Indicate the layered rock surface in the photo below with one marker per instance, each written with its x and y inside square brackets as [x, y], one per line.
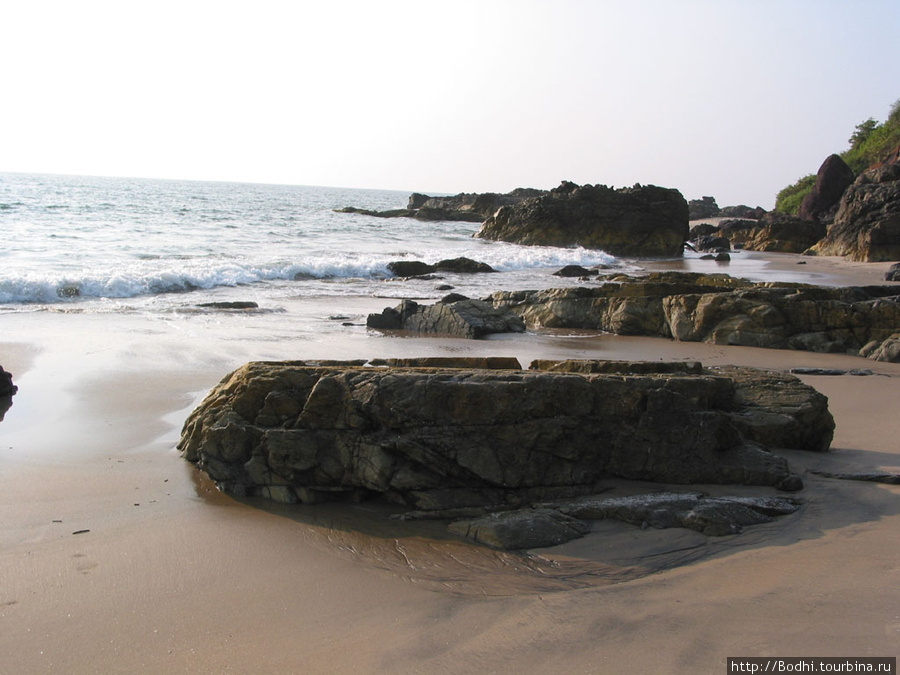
[445, 438]
[718, 309]
[637, 221]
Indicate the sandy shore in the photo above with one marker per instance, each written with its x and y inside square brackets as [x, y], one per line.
[117, 556]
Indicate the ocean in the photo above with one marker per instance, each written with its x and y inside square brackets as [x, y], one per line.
[91, 244]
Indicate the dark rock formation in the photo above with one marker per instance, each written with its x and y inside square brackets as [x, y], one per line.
[7, 388]
[709, 243]
[867, 225]
[893, 274]
[777, 233]
[469, 207]
[417, 268]
[703, 208]
[637, 221]
[237, 304]
[742, 211]
[573, 271]
[439, 439]
[455, 316]
[718, 309]
[480, 204]
[832, 179]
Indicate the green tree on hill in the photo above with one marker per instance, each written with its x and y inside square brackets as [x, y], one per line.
[870, 143]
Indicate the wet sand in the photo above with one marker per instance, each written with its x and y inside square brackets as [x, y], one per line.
[117, 556]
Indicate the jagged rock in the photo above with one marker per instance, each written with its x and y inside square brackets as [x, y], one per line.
[417, 268]
[7, 388]
[711, 243]
[703, 208]
[867, 225]
[702, 230]
[638, 221]
[887, 350]
[776, 232]
[718, 309]
[456, 316]
[481, 205]
[742, 211]
[516, 530]
[469, 207]
[437, 438]
[832, 179]
[893, 273]
[713, 516]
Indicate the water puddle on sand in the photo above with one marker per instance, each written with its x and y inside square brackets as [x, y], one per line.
[426, 555]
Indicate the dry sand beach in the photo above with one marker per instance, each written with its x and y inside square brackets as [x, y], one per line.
[117, 556]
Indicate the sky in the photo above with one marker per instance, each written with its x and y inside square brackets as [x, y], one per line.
[726, 98]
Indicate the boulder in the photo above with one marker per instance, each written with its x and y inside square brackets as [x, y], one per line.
[455, 316]
[778, 233]
[885, 350]
[718, 309]
[574, 271]
[437, 438]
[703, 208]
[643, 221]
[417, 268]
[893, 273]
[742, 211]
[832, 179]
[866, 227]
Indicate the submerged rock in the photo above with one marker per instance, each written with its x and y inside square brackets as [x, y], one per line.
[515, 530]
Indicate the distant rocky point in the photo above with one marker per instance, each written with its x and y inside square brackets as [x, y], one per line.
[470, 207]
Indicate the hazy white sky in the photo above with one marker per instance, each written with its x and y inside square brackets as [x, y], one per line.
[733, 99]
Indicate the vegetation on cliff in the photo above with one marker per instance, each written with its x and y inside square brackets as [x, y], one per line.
[871, 142]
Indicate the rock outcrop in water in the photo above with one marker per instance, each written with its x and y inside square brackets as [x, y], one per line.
[448, 438]
[642, 221]
[470, 207]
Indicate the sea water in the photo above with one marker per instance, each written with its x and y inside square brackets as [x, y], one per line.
[94, 244]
